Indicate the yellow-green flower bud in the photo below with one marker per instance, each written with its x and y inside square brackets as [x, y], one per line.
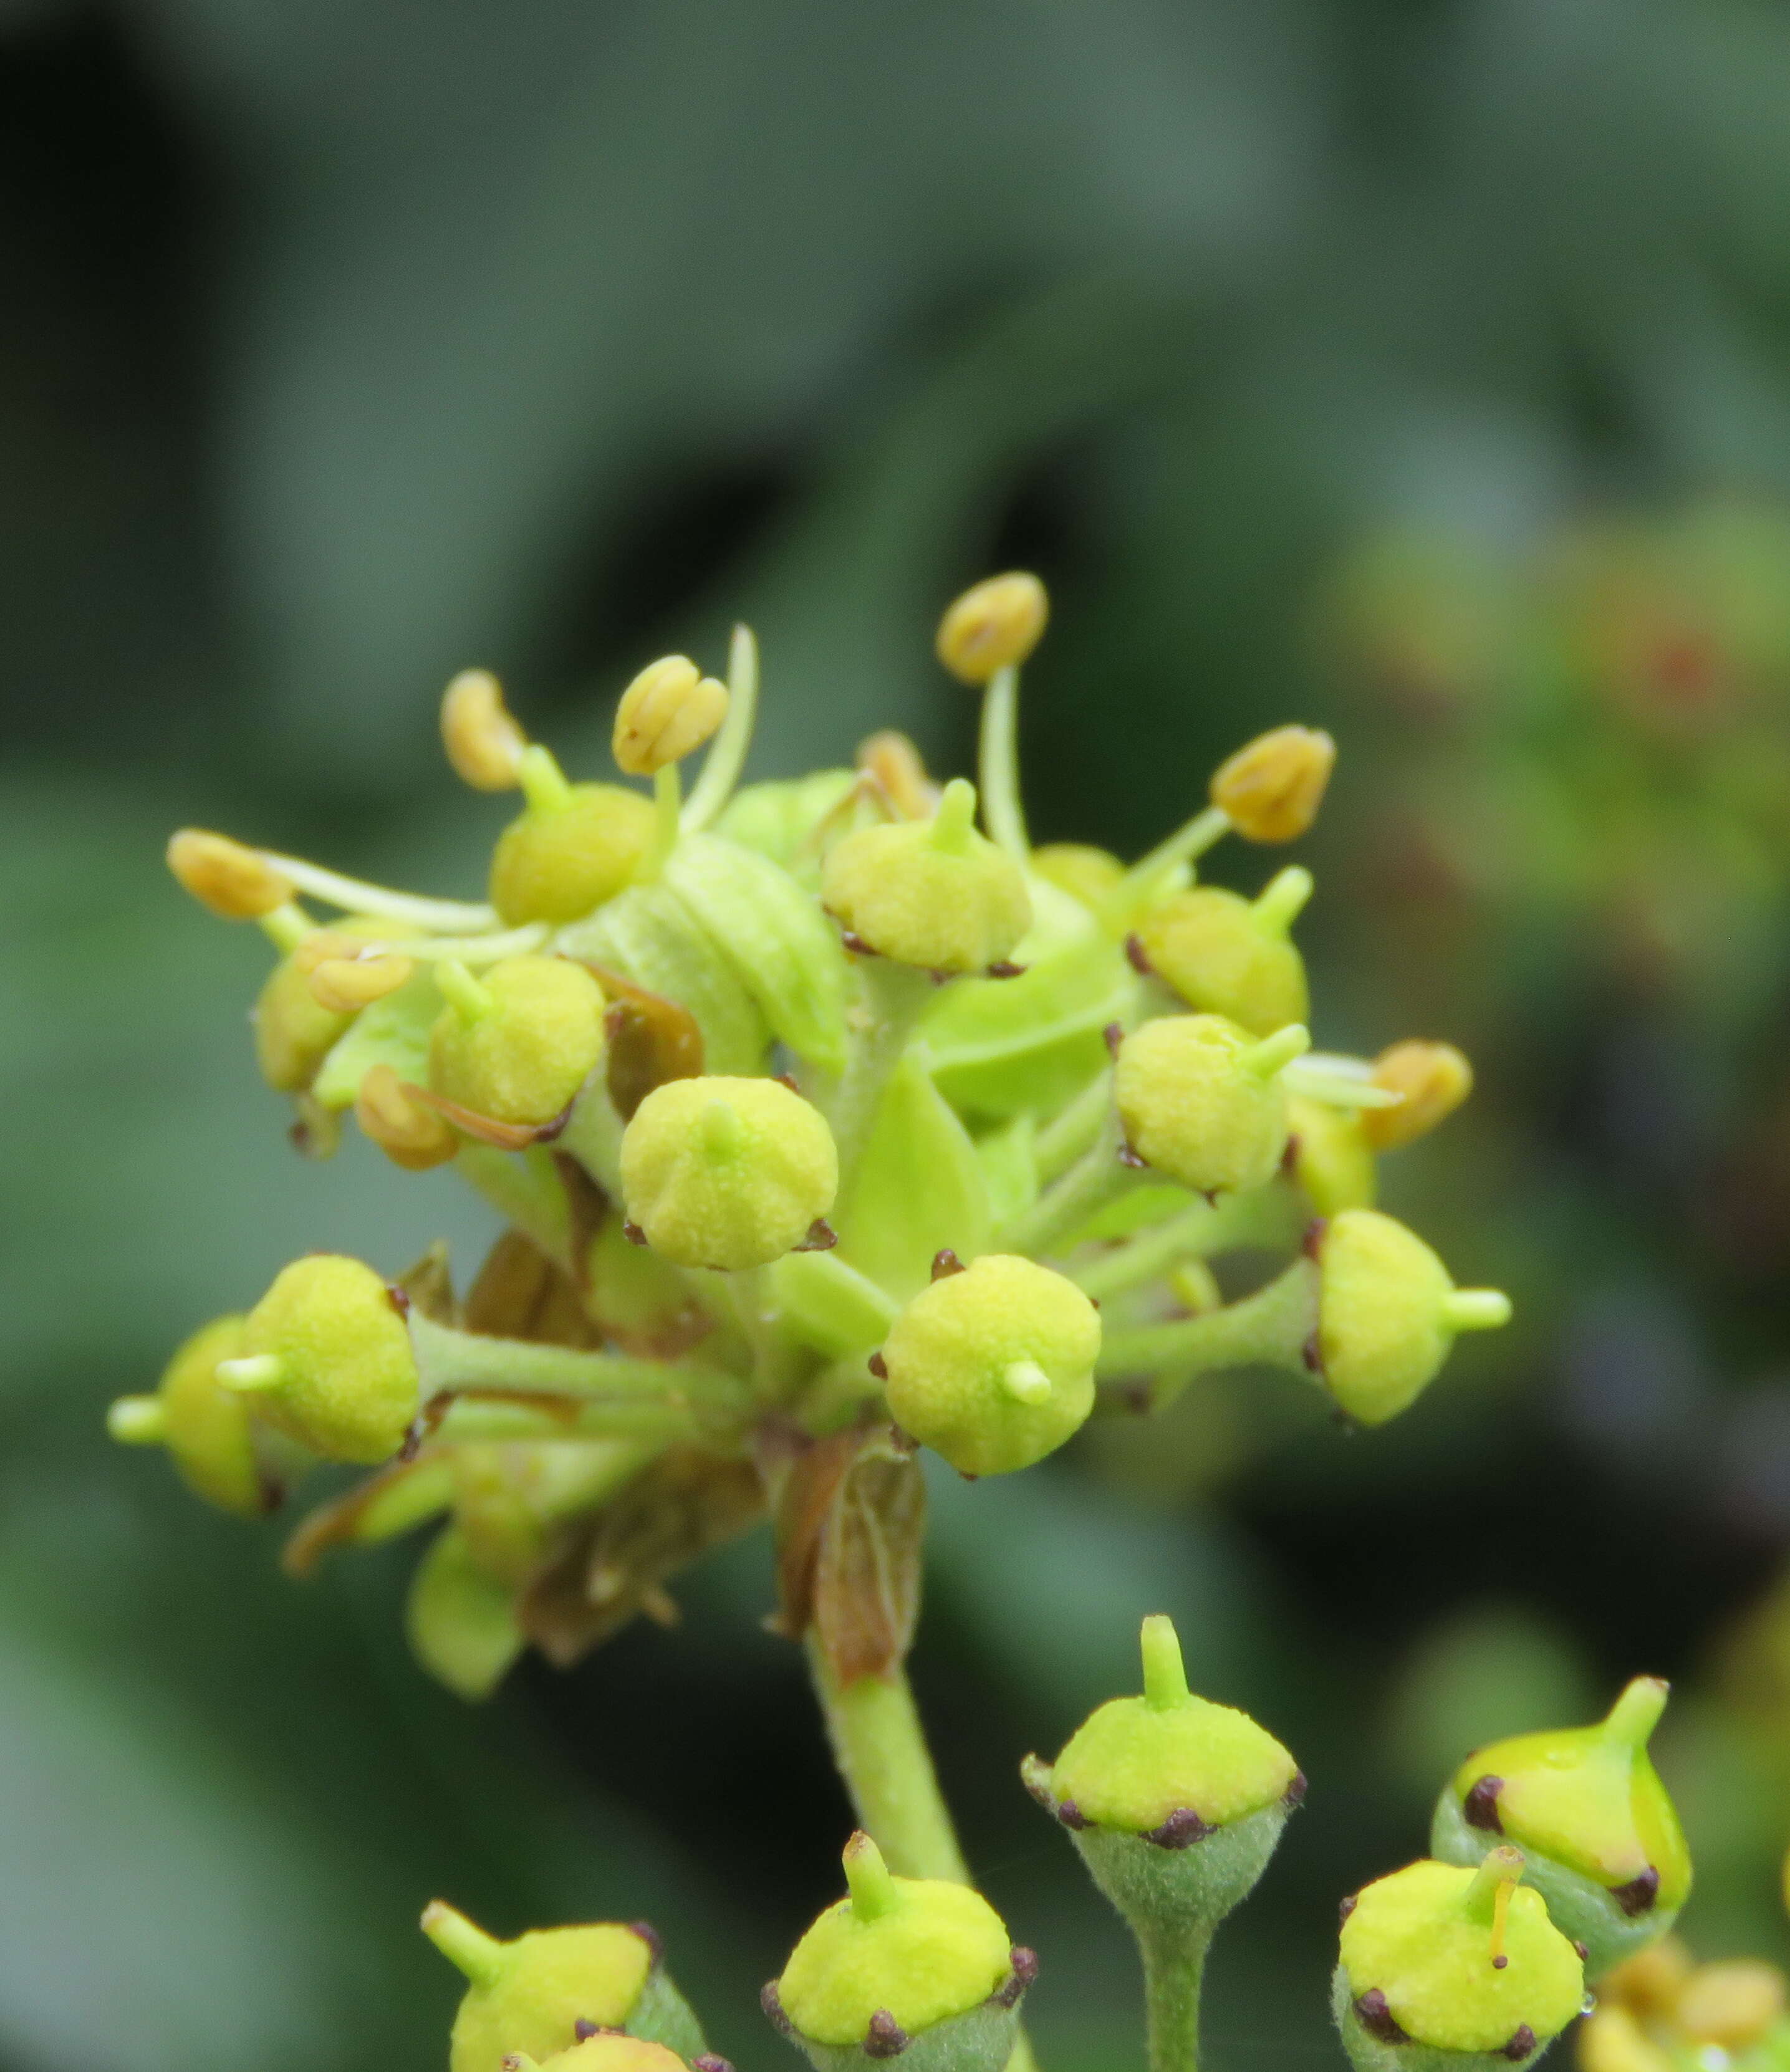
[1587, 1808]
[1175, 1804]
[1137, 1763]
[1332, 1160]
[1447, 1970]
[994, 625]
[326, 1359]
[1090, 876]
[993, 1367]
[1232, 957]
[932, 892]
[909, 1965]
[541, 1994]
[1433, 1079]
[727, 1172]
[574, 847]
[518, 1041]
[666, 713]
[1202, 1100]
[205, 1426]
[1271, 789]
[1388, 1314]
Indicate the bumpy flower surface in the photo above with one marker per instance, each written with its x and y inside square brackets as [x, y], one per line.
[1135, 1762]
[993, 1367]
[526, 1998]
[1202, 1101]
[932, 892]
[727, 1172]
[1223, 957]
[342, 1379]
[523, 1058]
[916, 1948]
[1388, 1314]
[560, 860]
[1423, 1939]
[1588, 1799]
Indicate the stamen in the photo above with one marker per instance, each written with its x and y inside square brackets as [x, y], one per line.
[354, 895]
[726, 756]
[997, 766]
[1186, 845]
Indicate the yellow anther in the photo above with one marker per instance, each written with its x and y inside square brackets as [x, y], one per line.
[994, 626]
[1651, 1980]
[346, 984]
[893, 765]
[1732, 2005]
[410, 1133]
[233, 880]
[1270, 791]
[484, 742]
[666, 713]
[323, 944]
[1433, 1079]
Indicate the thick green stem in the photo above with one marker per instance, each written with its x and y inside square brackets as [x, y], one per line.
[1270, 1328]
[1174, 1966]
[881, 1751]
[525, 1190]
[895, 995]
[1098, 1176]
[1264, 1216]
[880, 1748]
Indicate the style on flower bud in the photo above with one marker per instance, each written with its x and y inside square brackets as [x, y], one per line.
[204, 1425]
[234, 881]
[1388, 1314]
[993, 1367]
[539, 1995]
[326, 1358]
[1174, 1803]
[1271, 789]
[516, 1042]
[727, 1172]
[932, 892]
[1201, 1100]
[913, 1969]
[1587, 1808]
[666, 713]
[1448, 1970]
[994, 625]
[483, 743]
[573, 848]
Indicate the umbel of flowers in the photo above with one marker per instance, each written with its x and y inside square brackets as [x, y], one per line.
[830, 1120]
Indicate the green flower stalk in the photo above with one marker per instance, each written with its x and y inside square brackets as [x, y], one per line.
[823, 1116]
[1587, 1808]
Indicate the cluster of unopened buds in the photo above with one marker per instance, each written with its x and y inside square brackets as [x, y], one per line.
[829, 1126]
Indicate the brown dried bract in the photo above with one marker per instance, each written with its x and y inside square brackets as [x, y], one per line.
[652, 1040]
[616, 1565]
[850, 1521]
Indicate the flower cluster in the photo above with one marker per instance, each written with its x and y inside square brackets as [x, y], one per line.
[830, 1120]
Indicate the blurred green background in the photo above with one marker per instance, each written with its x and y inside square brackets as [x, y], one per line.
[1419, 368]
